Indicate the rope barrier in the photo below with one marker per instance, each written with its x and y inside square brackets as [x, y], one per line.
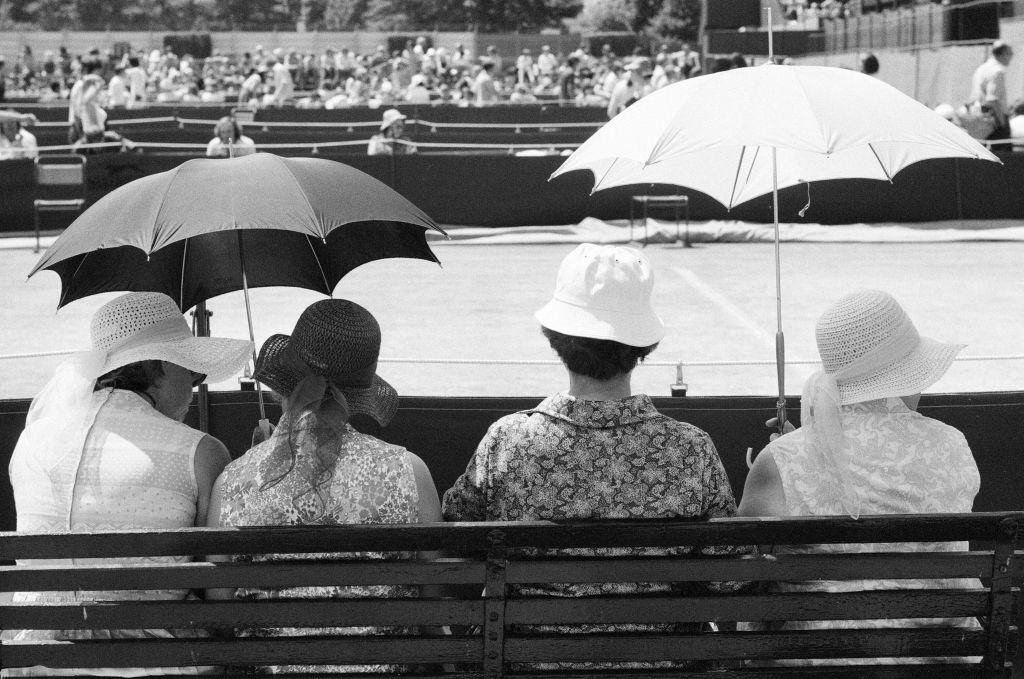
[550, 362]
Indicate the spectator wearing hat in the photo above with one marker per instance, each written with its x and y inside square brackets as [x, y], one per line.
[15, 140]
[104, 446]
[390, 141]
[862, 447]
[228, 140]
[526, 68]
[596, 450]
[317, 468]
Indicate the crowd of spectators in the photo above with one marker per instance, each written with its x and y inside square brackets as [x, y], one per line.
[337, 78]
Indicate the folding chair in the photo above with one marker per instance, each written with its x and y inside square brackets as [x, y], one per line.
[60, 185]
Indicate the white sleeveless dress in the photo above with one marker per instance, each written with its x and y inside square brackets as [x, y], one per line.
[134, 471]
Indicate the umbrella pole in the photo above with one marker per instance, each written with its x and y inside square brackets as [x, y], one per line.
[248, 317]
[780, 338]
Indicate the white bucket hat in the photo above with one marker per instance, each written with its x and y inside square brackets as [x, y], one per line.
[144, 326]
[391, 116]
[604, 292]
[869, 345]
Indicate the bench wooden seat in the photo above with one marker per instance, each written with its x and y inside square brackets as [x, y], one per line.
[490, 622]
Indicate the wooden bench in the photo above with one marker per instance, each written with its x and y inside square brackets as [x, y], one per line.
[488, 637]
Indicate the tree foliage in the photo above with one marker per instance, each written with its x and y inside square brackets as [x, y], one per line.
[670, 18]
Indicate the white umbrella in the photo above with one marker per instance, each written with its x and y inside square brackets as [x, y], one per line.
[743, 133]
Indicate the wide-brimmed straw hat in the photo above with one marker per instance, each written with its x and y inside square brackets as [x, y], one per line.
[390, 117]
[870, 346]
[339, 341]
[604, 292]
[148, 326]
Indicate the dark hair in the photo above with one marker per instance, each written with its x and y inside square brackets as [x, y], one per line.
[138, 376]
[1000, 48]
[869, 64]
[133, 61]
[596, 358]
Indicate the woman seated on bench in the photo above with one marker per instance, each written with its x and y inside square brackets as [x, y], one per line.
[596, 451]
[316, 469]
[862, 447]
[104, 446]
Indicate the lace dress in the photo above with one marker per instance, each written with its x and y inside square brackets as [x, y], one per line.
[134, 469]
[578, 459]
[905, 463]
[337, 477]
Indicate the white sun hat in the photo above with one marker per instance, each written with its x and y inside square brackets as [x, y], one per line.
[871, 348]
[144, 326]
[390, 117]
[604, 292]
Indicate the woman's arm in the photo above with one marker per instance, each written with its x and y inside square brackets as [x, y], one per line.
[763, 494]
[213, 521]
[210, 459]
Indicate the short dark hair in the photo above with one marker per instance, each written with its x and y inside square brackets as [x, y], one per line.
[869, 64]
[138, 376]
[596, 358]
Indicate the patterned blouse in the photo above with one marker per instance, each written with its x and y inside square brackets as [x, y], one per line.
[336, 477]
[577, 459]
[901, 462]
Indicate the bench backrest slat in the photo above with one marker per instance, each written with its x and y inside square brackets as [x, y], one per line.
[474, 536]
[199, 575]
[845, 643]
[779, 567]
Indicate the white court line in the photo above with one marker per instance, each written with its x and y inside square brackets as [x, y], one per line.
[725, 304]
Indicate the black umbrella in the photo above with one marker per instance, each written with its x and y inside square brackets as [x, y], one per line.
[209, 227]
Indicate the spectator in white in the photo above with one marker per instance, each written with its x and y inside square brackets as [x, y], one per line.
[1017, 122]
[626, 90]
[16, 142]
[607, 83]
[117, 89]
[136, 84]
[228, 140]
[522, 95]
[418, 92]
[525, 68]
[251, 87]
[86, 118]
[547, 62]
[484, 90]
[390, 141]
[988, 89]
[284, 86]
[688, 61]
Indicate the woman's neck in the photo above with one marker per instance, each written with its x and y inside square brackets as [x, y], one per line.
[589, 389]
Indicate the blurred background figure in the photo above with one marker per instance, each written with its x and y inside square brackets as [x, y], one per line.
[228, 140]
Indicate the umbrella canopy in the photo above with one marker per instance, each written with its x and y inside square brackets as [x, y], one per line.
[715, 133]
[302, 222]
[742, 133]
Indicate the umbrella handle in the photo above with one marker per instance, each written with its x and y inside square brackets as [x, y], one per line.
[780, 367]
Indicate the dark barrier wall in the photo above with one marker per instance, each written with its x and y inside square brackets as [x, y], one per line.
[445, 431]
[506, 190]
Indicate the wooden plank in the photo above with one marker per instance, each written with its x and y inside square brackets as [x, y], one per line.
[928, 671]
[472, 536]
[229, 614]
[865, 643]
[246, 651]
[201, 575]
[803, 606]
[893, 565]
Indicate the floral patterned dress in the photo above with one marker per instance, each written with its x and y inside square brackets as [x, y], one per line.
[901, 462]
[570, 458]
[336, 477]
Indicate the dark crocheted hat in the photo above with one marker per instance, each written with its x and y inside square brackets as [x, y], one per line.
[340, 341]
